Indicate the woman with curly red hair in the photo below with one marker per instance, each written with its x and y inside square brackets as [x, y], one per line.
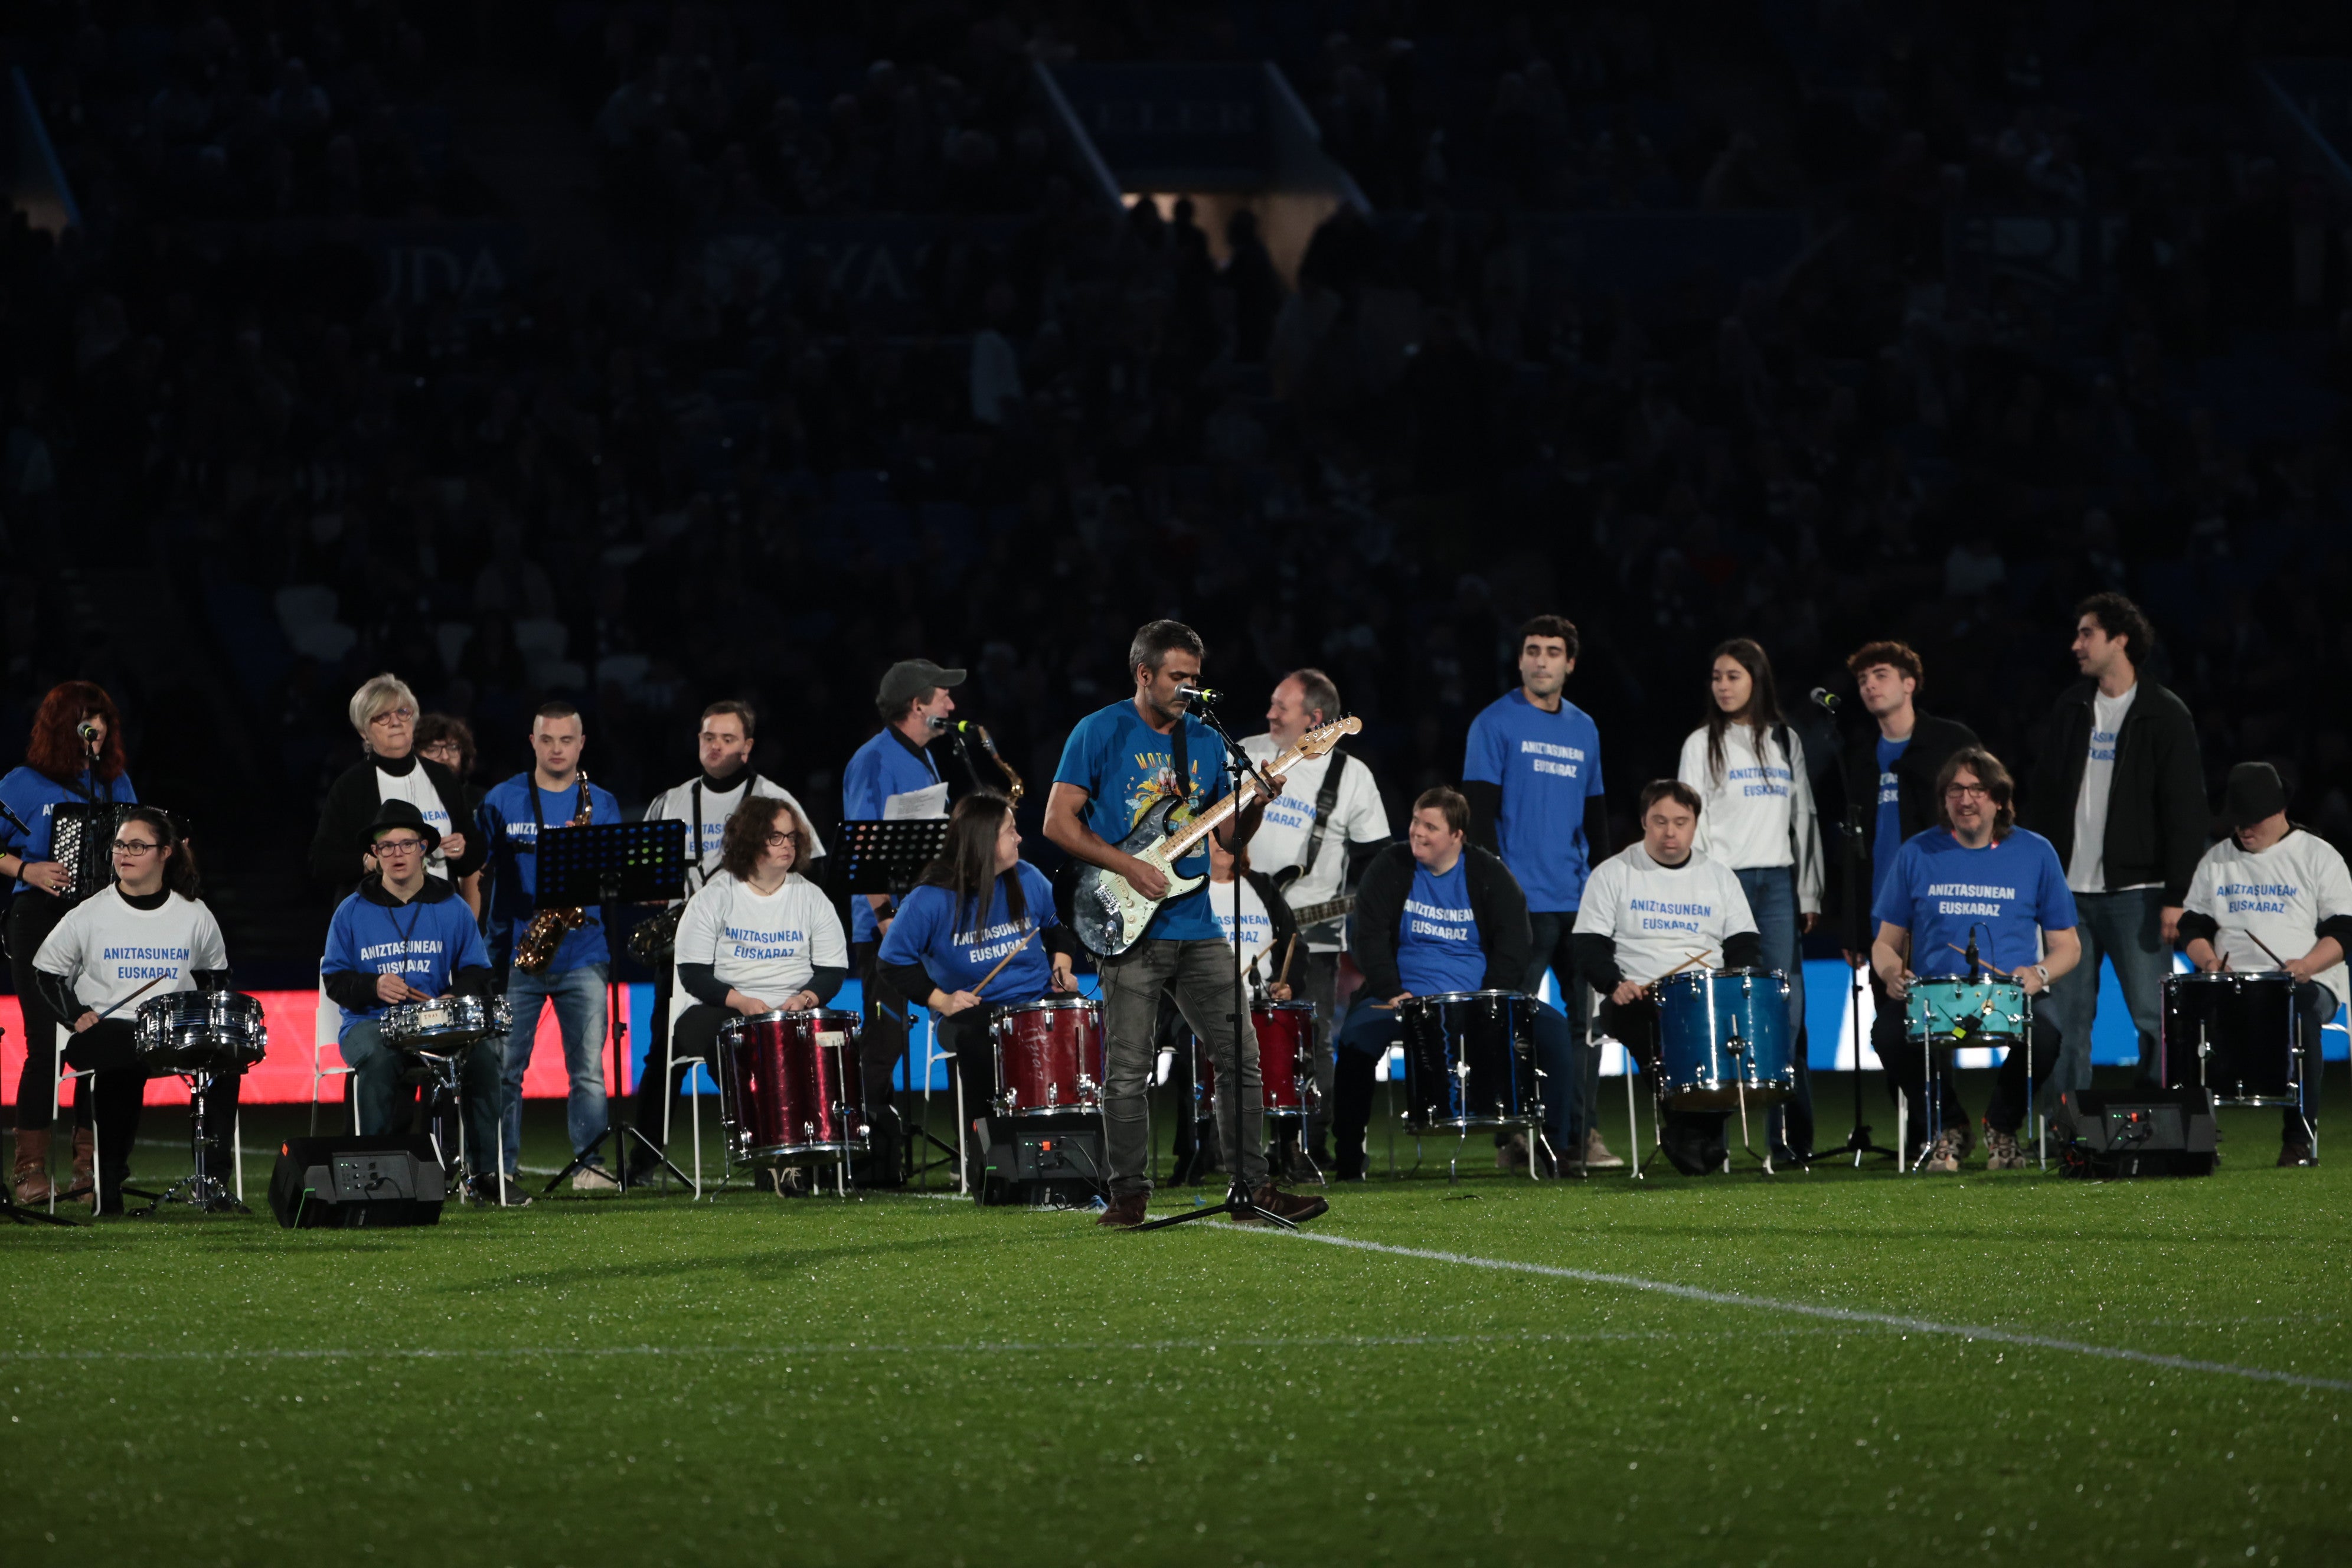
[75, 756]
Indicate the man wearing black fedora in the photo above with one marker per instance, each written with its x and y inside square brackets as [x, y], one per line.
[2274, 896]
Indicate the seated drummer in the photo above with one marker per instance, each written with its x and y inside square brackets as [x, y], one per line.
[147, 935]
[758, 937]
[2287, 899]
[1977, 878]
[1434, 914]
[941, 946]
[405, 936]
[1655, 907]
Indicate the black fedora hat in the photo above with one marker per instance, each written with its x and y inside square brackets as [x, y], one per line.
[394, 814]
[2253, 793]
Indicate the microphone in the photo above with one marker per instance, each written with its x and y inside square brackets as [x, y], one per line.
[1200, 694]
[1825, 699]
[1976, 970]
[86, 729]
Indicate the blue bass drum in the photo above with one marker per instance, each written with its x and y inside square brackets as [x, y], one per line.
[1723, 1040]
[1952, 1011]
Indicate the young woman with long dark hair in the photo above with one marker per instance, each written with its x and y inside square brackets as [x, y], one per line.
[1757, 817]
[74, 756]
[976, 903]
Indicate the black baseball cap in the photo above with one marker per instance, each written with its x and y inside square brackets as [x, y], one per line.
[910, 678]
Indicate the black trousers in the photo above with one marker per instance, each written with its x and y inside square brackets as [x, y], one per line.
[1909, 1065]
[31, 917]
[1693, 1140]
[656, 1097]
[967, 1035]
[881, 1046]
[120, 1097]
[1887, 1038]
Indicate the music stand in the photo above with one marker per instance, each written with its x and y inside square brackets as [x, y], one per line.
[886, 857]
[609, 864]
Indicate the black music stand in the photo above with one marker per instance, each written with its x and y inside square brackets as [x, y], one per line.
[886, 857]
[609, 864]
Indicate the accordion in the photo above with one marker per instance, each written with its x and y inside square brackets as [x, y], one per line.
[82, 839]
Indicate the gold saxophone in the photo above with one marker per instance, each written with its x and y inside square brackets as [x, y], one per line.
[1013, 785]
[548, 927]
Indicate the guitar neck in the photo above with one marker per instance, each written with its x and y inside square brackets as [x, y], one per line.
[1176, 846]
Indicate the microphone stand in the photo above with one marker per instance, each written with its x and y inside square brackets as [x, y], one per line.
[1239, 1203]
[1857, 1142]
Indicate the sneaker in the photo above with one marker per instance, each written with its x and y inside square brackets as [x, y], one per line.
[1124, 1212]
[594, 1179]
[1511, 1154]
[486, 1190]
[2002, 1151]
[1597, 1156]
[1295, 1207]
[1943, 1156]
[2296, 1154]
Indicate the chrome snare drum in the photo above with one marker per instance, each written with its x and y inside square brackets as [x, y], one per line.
[1952, 1011]
[196, 1031]
[1049, 1056]
[1469, 1061]
[1723, 1040]
[445, 1025]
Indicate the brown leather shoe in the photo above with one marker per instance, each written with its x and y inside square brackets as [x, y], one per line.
[32, 1173]
[1295, 1207]
[1125, 1212]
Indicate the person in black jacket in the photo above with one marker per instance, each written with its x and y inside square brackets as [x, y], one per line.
[383, 711]
[2119, 790]
[1890, 788]
[1434, 914]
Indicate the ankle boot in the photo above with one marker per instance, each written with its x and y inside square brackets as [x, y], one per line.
[83, 1188]
[32, 1175]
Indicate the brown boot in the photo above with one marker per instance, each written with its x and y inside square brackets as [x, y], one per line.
[83, 1188]
[1295, 1207]
[33, 1183]
[1125, 1212]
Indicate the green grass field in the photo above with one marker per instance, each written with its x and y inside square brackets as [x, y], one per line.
[902, 1378]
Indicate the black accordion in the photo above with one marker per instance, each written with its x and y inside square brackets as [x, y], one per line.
[82, 839]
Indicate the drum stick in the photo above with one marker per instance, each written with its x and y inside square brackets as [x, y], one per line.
[1989, 963]
[133, 997]
[1288, 948]
[2258, 941]
[1002, 963]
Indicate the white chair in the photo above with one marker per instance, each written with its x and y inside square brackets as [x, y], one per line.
[327, 1033]
[679, 1003]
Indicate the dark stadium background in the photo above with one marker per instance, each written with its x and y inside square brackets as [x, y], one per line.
[627, 352]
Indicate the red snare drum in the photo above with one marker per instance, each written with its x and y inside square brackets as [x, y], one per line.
[1049, 1056]
[1285, 1060]
[790, 1086]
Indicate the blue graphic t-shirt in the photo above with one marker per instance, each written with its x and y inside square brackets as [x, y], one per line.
[1887, 838]
[884, 766]
[511, 832]
[425, 941]
[1940, 889]
[1126, 767]
[1546, 764]
[1437, 942]
[956, 950]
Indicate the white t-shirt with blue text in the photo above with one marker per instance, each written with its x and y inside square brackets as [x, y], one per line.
[764, 946]
[2273, 898]
[2086, 866]
[1664, 918]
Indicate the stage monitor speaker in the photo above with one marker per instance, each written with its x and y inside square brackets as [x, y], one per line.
[354, 1183]
[2148, 1133]
[1053, 1160]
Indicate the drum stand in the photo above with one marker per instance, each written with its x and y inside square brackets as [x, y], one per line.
[206, 1194]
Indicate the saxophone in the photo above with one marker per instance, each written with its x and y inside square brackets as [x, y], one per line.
[1014, 787]
[548, 927]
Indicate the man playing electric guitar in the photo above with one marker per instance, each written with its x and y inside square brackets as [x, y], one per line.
[1142, 768]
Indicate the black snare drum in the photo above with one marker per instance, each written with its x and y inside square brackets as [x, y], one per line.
[2233, 1034]
[1469, 1061]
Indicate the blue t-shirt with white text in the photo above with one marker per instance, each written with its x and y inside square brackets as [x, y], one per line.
[1886, 837]
[425, 941]
[2006, 892]
[1546, 764]
[507, 825]
[1437, 940]
[956, 950]
[1126, 767]
[884, 766]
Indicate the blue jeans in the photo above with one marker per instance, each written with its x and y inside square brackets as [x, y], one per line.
[578, 997]
[386, 1099]
[2127, 929]
[1772, 899]
[1570, 1061]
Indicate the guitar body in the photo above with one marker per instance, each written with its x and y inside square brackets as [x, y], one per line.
[1106, 910]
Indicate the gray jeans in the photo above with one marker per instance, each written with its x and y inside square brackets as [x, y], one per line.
[1198, 974]
[2127, 929]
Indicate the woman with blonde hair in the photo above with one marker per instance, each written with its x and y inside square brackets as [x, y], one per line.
[383, 711]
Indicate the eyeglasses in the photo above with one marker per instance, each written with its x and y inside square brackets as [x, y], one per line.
[449, 749]
[1967, 791]
[133, 846]
[398, 846]
[395, 716]
[778, 840]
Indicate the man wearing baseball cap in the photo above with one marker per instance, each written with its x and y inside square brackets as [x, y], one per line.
[2272, 896]
[893, 775]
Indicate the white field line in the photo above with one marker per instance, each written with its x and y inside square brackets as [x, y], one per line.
[1855, 1315]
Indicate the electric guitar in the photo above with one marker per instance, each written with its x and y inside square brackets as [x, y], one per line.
[1107, 912]
[1312, 915]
